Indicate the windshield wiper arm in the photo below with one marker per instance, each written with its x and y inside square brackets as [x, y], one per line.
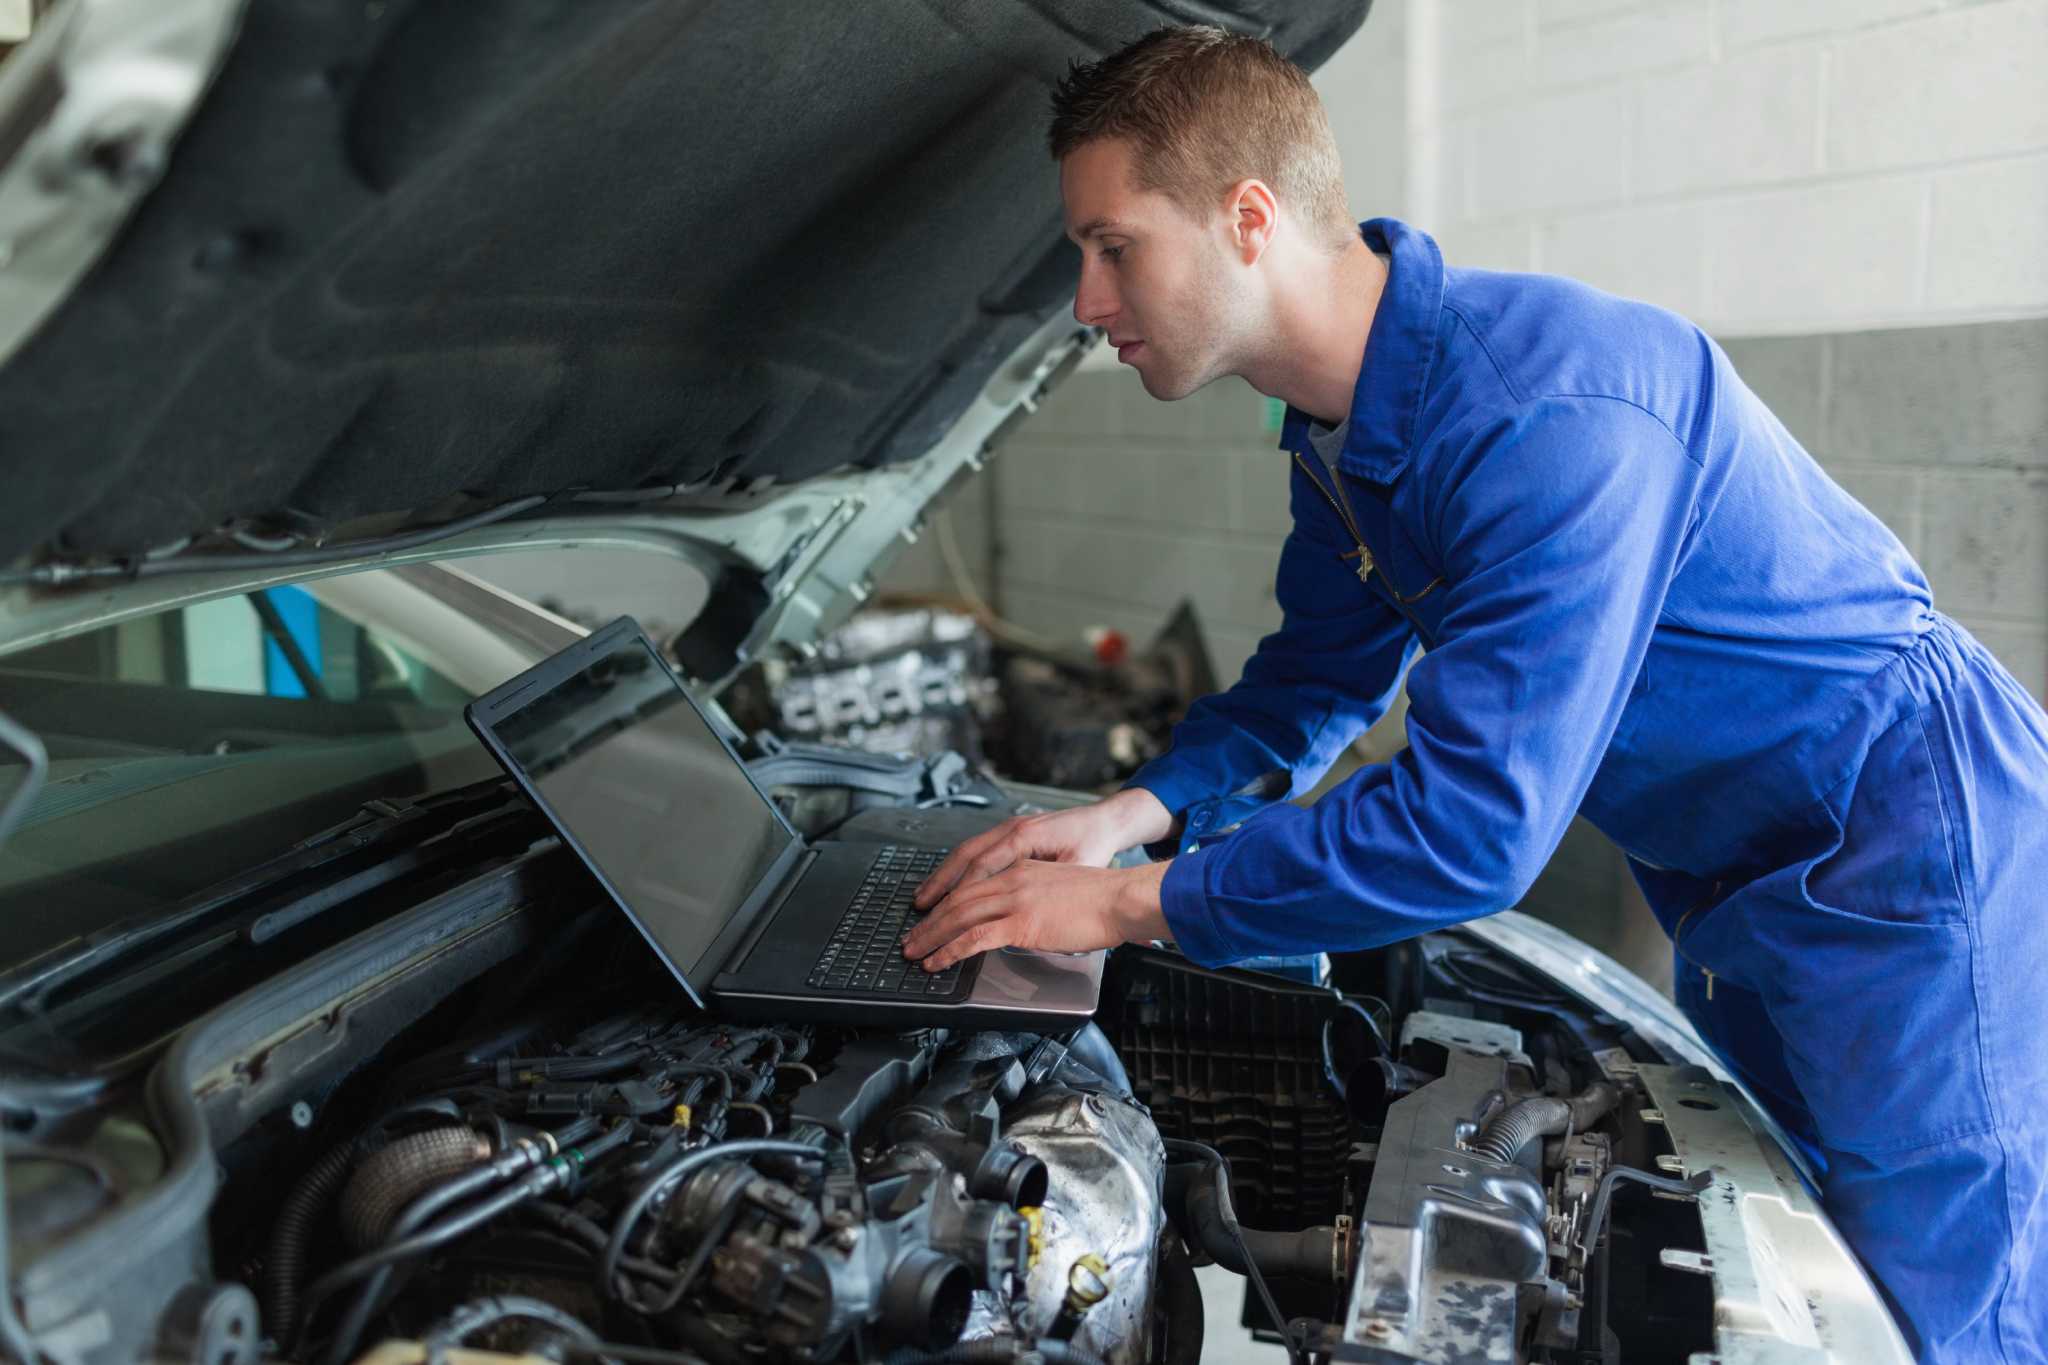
[380, 823]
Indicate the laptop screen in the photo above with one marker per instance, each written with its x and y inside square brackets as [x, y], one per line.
[634, 774]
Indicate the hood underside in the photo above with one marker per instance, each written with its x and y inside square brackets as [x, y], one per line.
[412, 250]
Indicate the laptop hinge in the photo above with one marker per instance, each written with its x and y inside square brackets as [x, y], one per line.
[737, 958]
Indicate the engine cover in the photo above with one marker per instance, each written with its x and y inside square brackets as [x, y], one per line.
[1448, 1236]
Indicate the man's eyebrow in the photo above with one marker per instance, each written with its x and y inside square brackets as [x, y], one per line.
[1100, 223]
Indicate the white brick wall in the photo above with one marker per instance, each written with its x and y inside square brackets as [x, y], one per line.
[1987, 248]
[1765, 166]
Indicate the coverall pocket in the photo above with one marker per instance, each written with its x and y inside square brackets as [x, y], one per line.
[1874, 983]
[1880, 1029]
[1895, 858]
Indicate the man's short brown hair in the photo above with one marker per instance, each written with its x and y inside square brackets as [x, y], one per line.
[1204, 109]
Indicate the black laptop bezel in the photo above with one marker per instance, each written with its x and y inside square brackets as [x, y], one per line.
[483, 715]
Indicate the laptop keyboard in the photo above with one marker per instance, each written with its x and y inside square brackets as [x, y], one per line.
[865, 953]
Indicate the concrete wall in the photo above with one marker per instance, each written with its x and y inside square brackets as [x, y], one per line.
[1763, 166]
[1852, 195]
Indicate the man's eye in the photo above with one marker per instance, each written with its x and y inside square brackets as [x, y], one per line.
[1112, 253]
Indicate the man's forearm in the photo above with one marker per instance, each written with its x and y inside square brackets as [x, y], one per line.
[1138, 816]
[1139, 914]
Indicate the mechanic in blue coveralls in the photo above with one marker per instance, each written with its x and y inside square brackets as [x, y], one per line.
[1627, 593]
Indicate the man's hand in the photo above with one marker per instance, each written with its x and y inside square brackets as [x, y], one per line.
[1056, 907]
[1090, 835]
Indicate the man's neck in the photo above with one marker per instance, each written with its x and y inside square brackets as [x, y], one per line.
[1320, 327]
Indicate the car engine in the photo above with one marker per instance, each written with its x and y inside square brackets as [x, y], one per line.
[489, 1122]
[1420, 1184]
[730, 1191]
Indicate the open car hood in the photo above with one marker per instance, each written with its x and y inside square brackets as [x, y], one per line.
[309, 274]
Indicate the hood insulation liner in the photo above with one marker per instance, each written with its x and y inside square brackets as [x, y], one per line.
[419, 248]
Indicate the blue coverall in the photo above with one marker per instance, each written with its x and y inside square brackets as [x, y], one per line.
[1638, 599]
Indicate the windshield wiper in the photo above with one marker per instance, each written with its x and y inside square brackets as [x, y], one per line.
[383, 843]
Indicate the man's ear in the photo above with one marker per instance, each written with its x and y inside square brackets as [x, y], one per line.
[1253, 216]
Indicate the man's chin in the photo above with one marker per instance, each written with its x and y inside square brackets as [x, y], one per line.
[1171, 388]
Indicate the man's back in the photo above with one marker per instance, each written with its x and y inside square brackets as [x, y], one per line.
[1787, 599]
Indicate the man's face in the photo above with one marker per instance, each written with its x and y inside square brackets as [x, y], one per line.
[1158, 281]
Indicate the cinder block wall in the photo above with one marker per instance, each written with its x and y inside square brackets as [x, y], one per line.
[1763, 166]
[1851, 195]
[1865, 184]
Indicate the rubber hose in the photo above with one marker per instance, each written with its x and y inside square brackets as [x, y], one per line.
[1515, 1127]
[1310, 1254]
[286, 1261]
[1218, 1167]
[393, 1176]
[461, 1186]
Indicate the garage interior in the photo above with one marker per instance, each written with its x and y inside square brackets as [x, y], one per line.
[1849, 198]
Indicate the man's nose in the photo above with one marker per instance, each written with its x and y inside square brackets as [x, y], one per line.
[1094, 301]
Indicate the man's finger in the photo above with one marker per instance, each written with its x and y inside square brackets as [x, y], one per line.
[950, 871]
[993, 932]
[997, 858]
[966, 906]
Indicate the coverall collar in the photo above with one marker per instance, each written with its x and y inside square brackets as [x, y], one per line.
[1399, 353]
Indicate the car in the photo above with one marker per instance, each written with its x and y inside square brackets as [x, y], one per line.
[316, 1044]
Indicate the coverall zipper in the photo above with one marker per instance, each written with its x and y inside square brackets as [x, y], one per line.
[1366, 563]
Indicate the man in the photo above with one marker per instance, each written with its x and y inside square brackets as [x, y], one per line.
[1639, 600]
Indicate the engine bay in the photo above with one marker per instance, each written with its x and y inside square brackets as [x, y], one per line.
[1418, 1181]
[491, 1124]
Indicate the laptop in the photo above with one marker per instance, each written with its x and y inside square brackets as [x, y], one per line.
[743, 910]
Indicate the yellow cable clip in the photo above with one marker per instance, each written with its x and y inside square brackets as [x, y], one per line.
[1034, 1242]
[682, 1116]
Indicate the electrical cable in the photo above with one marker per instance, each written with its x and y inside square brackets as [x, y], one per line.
[1338, 1081]
[1220, 1165]
[1330, 1073]
[667, 1177]
[1372, 1022]
[716, 1073]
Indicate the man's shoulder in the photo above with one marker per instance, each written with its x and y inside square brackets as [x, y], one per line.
[1545, 336]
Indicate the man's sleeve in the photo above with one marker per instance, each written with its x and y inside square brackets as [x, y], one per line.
[1311, 687]
[1560, 531]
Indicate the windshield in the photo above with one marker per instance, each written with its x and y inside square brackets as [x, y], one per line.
[187, 745]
